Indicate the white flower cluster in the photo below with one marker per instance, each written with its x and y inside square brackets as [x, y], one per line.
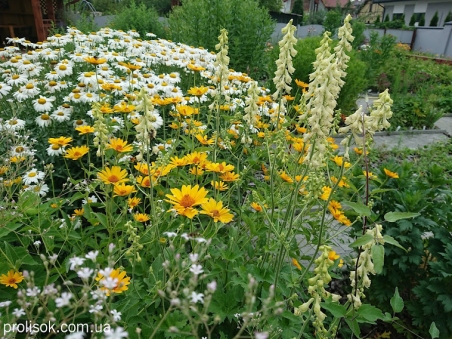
[363, 126]
[360, 277]
[324, 87]
[284, 65]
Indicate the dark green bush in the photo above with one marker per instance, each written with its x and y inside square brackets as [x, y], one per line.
[198, 23]
[412, 20]
[298, 7]
[302, 63]
[140, 18]
[422, 21]
[448, 17]
[435, 19]
[423, 272]
[333, 20]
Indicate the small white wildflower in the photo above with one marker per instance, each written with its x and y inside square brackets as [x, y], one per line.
[95, 309]
[33, 292]
[212, 286]
[196, 269]
[5, 303]
[18, 312]
[49, 290]
[75, 261]
[195, 297]
[63, 300]
[193, 257]
[260, 335]
[53, 258]
[117, 333]
[75, 335]
[85, 273]
[170, 234]
[92, 255]
[116, 315]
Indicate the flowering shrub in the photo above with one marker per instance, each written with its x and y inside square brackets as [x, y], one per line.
[149, 188]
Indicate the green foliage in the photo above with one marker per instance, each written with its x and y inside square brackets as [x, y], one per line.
[333, 21]
[414, 111]
[249, 27]
[315, 18]
[302, 63]
[435, 19]
[377, 20]
[387, 18]
[140, 18]
[422, 20]
[412, 20]
[358, 32]
[448, 17]
[377, 54]
[271, 5]
[84, 22]
[298, 7]
[421, 274]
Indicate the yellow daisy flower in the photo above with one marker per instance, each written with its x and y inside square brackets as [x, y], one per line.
[390, 174]
[216, 211]
[11, 279]
[76, 153]
[119, 145]
[122, 282]
[122, 190]
[186, 198]
[113, 175]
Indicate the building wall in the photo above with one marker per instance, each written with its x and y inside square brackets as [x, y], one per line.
[369, 12]
[427, 7]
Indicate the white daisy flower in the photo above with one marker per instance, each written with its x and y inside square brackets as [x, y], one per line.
[43, 104]
[33, 177]
[43, 120]
[12, 124]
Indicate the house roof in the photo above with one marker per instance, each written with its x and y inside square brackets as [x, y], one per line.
[334, 3]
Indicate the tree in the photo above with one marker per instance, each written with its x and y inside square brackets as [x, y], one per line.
[387, 18]
[434, 21]
[298, 7]
[422, 20]
[448, 17]
[412, 20]
[377, 20]
[333, 21]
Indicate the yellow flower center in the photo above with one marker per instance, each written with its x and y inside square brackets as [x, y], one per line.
[55, 147]
[187, 201]
[79, 122]
[29, 86]
[113, 178]
[45, 117]
[13, 122]
[63, 67]
[32, 174]
[215, 214]
[15, 76]
[19, 149]
[42, 101]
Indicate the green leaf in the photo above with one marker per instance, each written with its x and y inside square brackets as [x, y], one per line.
[378, 257]
[354, 326]
[381, 190]
[362, 240]
[369, 313]
[359, 208]
[394, 216]
[434, 332]
[390, 240]
[337, 310]
[397, 302]
[4, 231]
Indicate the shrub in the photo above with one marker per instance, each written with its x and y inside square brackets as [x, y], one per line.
[448, 17]
[298, 7]
[249, 26]
[140, 18]
[333, 21]
[315, 18]
[435, 19]
[412, 20]
[356, 70]
[422, 272]
[422, 20]
[377, 54]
